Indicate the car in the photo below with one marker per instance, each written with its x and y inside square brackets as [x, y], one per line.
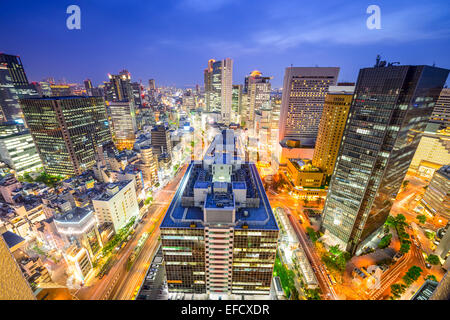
[428, 266]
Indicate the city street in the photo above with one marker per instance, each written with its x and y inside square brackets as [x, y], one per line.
[118, 277]
[318, 268]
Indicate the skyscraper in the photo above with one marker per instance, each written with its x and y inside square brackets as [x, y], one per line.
[207, 74]
[137, 94]
[331, 127]
[67, 131]
[391, 107]
[161, 142]
[218, 87]
[219, 235]
[152, 84]
[17, 149]
[123, 120]
[304, 91]
[119, 87]
[13, 86]
[236, 100]
[441, 111]
[258, 90]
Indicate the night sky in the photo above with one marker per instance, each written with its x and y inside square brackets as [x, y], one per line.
[171, 40]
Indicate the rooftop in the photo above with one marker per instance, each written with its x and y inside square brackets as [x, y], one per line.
[75, 215]
[256, 218]
[304, 165]
[12, 239]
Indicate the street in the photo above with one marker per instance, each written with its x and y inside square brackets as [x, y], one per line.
[119, 283]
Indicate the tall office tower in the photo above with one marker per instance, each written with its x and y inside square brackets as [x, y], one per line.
[332, 123]
[441, 112]
[17, 149]
[390, 110]
[236, 99]
[218, 87]
[436, 200]
[13, 285]
[161, 142]
[258, 89]
[67, 131]
[123, 120]
[87, 84]
[304, 91]
[219, 235]
[119, 87]
[207, 73]
[244, 109]
[152, 84]
[137, 94]
[13, 86]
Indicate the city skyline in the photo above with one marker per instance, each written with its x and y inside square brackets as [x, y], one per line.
[235, 150]
[173, 53]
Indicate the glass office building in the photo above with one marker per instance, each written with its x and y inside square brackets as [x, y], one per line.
[390, 109]
[67, 131]
[13, 86]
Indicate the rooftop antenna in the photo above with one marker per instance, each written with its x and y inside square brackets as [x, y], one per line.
[377, 64]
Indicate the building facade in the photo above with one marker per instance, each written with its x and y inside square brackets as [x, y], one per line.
[160, 140]
[117, 205]
[123, 118]
[13, 284]
[304, 91]
[258, 90]
[67, 131]
[331, 127]
[391, 108]
[219, 235]
[218, 87]
[13, 87]
[436, 200]
[441, 111]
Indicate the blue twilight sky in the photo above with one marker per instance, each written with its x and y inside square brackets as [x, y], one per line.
[171, 40]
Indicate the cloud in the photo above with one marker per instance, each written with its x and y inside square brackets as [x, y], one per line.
[404, 25]
[335, 26]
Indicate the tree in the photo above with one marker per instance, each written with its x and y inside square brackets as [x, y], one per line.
[405, 183]
[405, 246]
[335, 250]
[312, 234]
[385, 241]
[397, 290]
[422, 218]
[412, 275]
[400, 218]
[431, 277]
[390, 221]
[433, 259]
